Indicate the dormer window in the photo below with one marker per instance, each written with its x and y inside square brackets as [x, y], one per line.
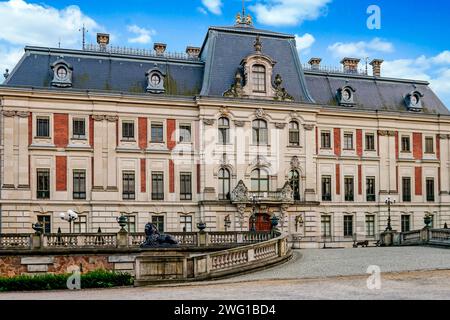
[414, 101]
[62, 74]
[346, 96]
[259, 78]
[155, 79]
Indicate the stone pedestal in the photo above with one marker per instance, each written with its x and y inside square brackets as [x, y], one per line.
[160, 265]
[36, 241]
[122, 239]
[388, 238]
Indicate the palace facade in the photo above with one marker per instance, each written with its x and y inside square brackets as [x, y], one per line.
[230, 134]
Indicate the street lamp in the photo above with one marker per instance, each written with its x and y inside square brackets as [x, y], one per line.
[70, 217]
[253, 217]
[389, 202]
[227, 222]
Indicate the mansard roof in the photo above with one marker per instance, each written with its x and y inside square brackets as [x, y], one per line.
[107, 71]
[213, 73]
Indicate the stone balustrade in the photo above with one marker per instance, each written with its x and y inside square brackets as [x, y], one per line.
[425, 236]
[124, 240]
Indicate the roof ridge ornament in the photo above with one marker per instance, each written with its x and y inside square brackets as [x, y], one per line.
[258, 44]
[244, 20]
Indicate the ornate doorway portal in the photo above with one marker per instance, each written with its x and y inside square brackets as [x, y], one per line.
[262, 223]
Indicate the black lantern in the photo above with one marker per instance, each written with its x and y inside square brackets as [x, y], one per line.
[274, 221]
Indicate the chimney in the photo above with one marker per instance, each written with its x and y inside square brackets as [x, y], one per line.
[102, 40]
[350, 65]
[160, 48]
[315, 63]
[193, 52]
[376, 66]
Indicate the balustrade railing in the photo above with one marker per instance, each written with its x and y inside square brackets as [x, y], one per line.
[440, 235]
[8, 241]
[410, 237]
[111, 240]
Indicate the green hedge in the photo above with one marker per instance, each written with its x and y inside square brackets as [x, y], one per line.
[94, 279]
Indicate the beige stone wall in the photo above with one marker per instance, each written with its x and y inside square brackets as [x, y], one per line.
[109, 156]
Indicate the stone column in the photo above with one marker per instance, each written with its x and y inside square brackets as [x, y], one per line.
[8, 178]
[23, 161]
[112, 159]
[310, 170]
[98, 152]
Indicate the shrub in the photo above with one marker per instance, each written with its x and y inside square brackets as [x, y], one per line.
[93, 279]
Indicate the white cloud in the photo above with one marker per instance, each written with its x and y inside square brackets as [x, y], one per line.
[9, 56]
[202, 10]
[435, 69]
[360, 49]
[23, 23]
[304, 42]
[214, 6]
[289, 12]
[143, 36]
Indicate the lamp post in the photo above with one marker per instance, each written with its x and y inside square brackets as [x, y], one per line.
[70, 217]
[389, 202]
[253, 217]
[227, 221]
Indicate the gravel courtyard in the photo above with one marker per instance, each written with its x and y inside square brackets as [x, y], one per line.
[406, 273]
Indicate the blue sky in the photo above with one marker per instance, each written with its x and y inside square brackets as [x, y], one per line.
[413, 39]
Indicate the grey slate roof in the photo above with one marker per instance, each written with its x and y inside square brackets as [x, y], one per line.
[225, 48]
[372, 93]
[222, 52]
[106, 72]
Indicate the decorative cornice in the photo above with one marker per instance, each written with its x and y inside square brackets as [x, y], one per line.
[308, 127]
[23, 114]
[8, 113]
[111, 118]
[280, 125]
[98, 117]
[444, 136]
[208, 122]
[386, 133]
[239, 123]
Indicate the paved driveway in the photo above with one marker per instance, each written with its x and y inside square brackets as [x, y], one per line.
[311, 274]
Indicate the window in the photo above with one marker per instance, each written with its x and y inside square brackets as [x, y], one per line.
[185, 186]
[349, 189]
[128, 180]
[260, 132]
[406, 145]
[157, 186]
[370, 225]
[61, 72]
[294, 134]
[294, 180]
[259, 78]
[348, 141]
[157, 132]
[370, 189]
[43, 183]
[348, 226]
[325, 138]
[158, 221]
[80, 225]
[79, 128]
[185, 133]
[430, 189]
[46, 223]
[131, 224]
[429, 145]
[406, 187]
[370, 142]
[326, 226]
[224, 131]
[43, 127]
[326, 188]
[406, 223]
[224, 184]
[260, 181]
[128, 130]
[186, 223]
[79, 184]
